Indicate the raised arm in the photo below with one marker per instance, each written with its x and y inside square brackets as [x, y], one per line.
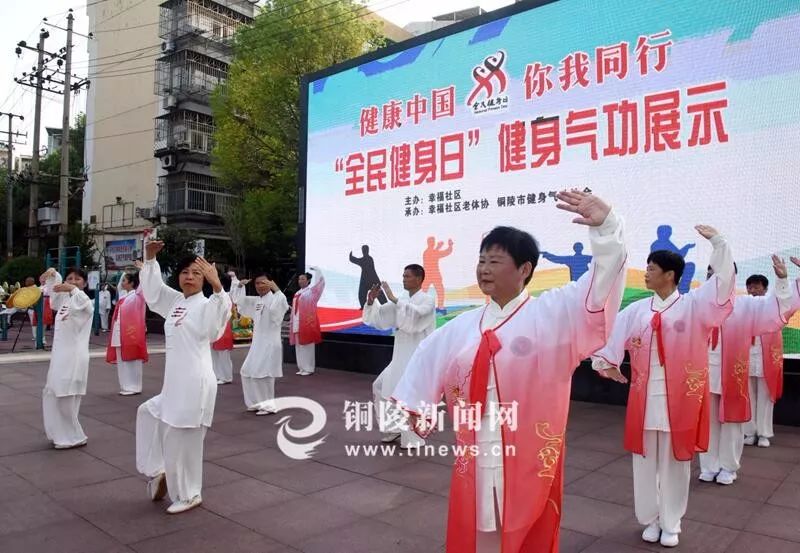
[579, 304]
[382, 317]
[159, 297]
[317, 284]
[714, 298]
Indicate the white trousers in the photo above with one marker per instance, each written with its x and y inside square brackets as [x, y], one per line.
[129, 374]
[761, 406]
[660, 483]
[61, 423]
[223, 366]
[386, 423]
[258, 392]
[490, 542]
[725, 444]
[306, 357]
[104, 319]
[178, 452]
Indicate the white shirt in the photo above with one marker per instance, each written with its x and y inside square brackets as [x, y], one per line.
[489, 476]
[191, 325]
[265, 357]
[69, 362]
[783, 293]
[656, 416]
[414, 318]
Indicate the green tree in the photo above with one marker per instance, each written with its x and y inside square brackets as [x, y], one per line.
[80, 235]
[257, 113]
[49, 187]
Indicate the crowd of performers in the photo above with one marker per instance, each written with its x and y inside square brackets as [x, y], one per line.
[706, 370]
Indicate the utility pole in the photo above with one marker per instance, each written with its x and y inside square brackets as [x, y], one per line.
[35, 81]
[9, 191]
[63, 203]
[40, 82]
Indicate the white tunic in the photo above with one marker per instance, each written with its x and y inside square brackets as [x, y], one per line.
[105, 300]
[490, 463]
[191, 324]
[414, 318]
[265, 357]
[783, 293]
[69, 363]
[548, 320]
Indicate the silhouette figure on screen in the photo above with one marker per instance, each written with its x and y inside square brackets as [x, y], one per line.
[664, 242]
[430, 262]
[369, 275]
[578, 264]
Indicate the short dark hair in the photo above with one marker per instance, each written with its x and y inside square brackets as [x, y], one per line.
[259, 274]
[668, 261]
[133, 278]
[521, 246]
[307, 275]
[78, 271]
[184, 262]
[757, 279]
[416, 270]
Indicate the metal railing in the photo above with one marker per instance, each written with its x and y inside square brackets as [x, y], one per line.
[185, 130]
[192, 193]
[189, 73]
[200, 17]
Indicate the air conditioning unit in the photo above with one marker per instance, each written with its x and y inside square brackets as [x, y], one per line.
[145, 212]
[167, 46]
[47, 215]
[168, 161]
[170, 101]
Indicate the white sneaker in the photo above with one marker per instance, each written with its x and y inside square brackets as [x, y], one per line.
[726, 477]
[299, 372]
[182, 506]
[707, 477]
[265, 411]
[303, 373]
[71, 446]
[749, 440]
[652, 532]
[389, 437]
[763, 442]
[128, 393]
[157, 487]
[668, 539]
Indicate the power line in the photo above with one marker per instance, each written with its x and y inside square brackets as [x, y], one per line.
[151, 159]
[122, 112]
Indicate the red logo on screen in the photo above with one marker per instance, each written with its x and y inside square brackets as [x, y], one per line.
[490, 83]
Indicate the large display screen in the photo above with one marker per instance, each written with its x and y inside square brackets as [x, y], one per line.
[678, 113]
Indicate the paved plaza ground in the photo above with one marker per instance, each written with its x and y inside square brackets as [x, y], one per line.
[257, 500]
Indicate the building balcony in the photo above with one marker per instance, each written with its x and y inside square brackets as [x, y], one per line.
[186, 196]
[204, 19]
[184, 131]
[189, 75]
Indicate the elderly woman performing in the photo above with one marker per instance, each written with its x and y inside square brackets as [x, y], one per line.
[171, 427]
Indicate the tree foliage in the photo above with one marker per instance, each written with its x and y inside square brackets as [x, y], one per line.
[257, 114]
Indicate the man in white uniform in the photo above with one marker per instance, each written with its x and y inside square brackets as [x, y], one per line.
[264, 361]
[413, 317]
